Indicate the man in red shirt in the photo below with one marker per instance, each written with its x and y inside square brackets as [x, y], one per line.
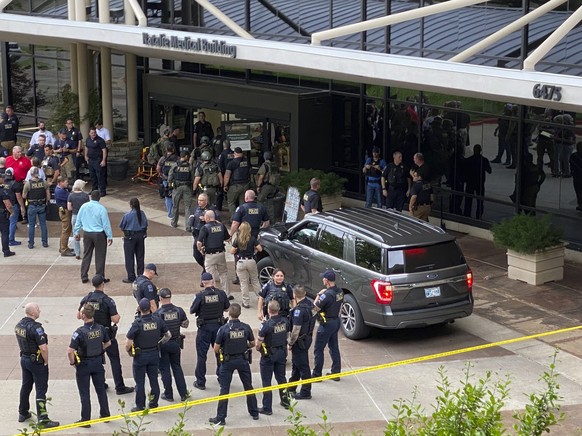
[20, 165]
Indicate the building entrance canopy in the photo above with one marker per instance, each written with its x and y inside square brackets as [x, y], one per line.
[523, 87]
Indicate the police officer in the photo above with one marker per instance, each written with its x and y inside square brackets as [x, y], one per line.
[170, 352]
[302, 324]
[224, 159]
[33, 344]
[37, 192]
[86, 353]
[268, 180]
[165, 165]
[234, 342]
[66, 150]
[196, 221]
[236, 179]
[143, 287]
[272, 344]
[251, 212]
[328, 303]
[211, 241]
[373, 168]
[420, 193]
[311, 201]
[96, 157]
[208, 177]
[6, 210]
[143, 338]
[209, 307]
[202, 128]
[276, 289]
[181, 180]
[106, 315]
[51, 165]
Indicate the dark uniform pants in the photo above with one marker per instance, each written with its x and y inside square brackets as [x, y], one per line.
[98, 175]
[5, 231]
[170, 354]
[146, 363]
[115, 361]
[300, 369]
[94, 241]
[274, 364]
[92, 369]
[33, 374]
[327, 335]
[205, 337]
[199, 257]
[241, 365]
[474, 189]
[134, 251]
[396, 198]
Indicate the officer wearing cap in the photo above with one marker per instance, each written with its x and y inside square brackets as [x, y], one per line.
[210, 242]
[272, 344]
[6, 212]
[209, 307]
[143, 287]
[86, 353]
[236, 179]
[208, 177]
[196, 221]
[181, 179]
[328, 303]
[234, 341]
[106, 315]
[170, 352]
[33, 344]
[145, 334]
[302, 324]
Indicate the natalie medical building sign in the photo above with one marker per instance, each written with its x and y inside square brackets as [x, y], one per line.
[197, 45]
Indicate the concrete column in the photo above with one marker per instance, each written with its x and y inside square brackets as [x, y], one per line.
[106, 91]
[104, 14]
[129, 14]
[83, 87]
[74, 72]
[132, 104]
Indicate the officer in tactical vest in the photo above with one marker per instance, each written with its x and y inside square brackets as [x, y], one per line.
[311, 200]
[33, 344]
[328, 304]
[106, 315]
[419, 205]
[251, 212]
[144, 336]
[143, 287]
[208, 177]
[237, 179]
[272, 344]
[37, 192]
[165, 165]
[209, 307]
[196, 221]
[276, 289]
[181, 180]
[51, 165]
[170, 352]
[224, 159]
[302, 324]
[234, 343]
[86, 354]
[6, 211]
[268, 180]
[210, 242]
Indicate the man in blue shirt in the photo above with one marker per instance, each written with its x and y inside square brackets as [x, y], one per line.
[61, 197]
[97, 235]
[373, 170]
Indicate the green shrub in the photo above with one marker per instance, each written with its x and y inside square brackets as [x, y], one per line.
[526, 233]
[331, 183]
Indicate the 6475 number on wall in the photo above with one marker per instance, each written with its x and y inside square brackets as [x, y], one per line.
[547, 92]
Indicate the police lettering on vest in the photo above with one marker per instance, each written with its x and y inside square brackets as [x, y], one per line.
[37, 190]
[169, 163]
[26, 332]
[211, 307]
[278, 327]
[183, 173]
[236, 340]
[212, 237]
[90, 339]
[171, 316]
[149, 332]
[102, 315]
[241, 172]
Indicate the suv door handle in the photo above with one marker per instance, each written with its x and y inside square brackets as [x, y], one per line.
[337, 271]
[306, 258]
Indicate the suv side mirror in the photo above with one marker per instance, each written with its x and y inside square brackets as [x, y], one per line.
[284, 235]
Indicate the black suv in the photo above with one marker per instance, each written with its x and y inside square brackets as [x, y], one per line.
[396, 271]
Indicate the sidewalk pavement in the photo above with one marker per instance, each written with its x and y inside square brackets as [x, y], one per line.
[504, 309]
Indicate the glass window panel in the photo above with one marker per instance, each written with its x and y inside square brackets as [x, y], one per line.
[368, 255]
[47, 85]
[22, 83]
[332, 242]
[119, 86]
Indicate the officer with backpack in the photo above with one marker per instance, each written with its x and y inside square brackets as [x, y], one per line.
[208, 177]
[106, 315]
[268, 181]
[276, 289]
[272, 344]
[395, 183]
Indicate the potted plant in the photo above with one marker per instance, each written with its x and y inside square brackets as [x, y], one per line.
[535, 252]
[331, 187]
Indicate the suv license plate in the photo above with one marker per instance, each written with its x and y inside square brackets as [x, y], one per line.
[432, 292]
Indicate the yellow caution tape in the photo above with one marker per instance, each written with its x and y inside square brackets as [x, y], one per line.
[314, 379]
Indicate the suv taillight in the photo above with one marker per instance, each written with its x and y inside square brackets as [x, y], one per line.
[470, 280]
[382, 290]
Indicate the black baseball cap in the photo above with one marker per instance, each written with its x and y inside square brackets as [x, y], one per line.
[97, 280]
[238, 150]
[165, 293]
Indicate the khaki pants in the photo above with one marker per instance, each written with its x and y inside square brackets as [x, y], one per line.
[422, 212]
[248, 275]
[215, 264]
[236, 196]
[66, 229]
[179, 193]
[8, 146]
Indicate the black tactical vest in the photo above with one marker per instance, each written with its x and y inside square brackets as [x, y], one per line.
[236, 339]
[211, 307]
[149, 332]
[337, 296]
[91, 346]
[169, 163]
[183, 173]
[24, 335]
[37, 190]
[215, 238]
[278, 337]
[241, 174]
[171, 316]
[102, 315]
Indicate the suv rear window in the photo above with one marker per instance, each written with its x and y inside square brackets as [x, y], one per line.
[368, 255]
[419, 259]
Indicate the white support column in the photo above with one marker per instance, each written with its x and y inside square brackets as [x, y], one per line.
[129, 14]
[83, 87]
[131, 81]
[74, 71]
[104, 14]
[224, 19]
[106, 91]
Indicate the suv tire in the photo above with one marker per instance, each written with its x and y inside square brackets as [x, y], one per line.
[265, 268]
[352, 321]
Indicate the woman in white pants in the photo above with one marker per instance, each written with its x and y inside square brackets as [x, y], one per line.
[245, 245]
